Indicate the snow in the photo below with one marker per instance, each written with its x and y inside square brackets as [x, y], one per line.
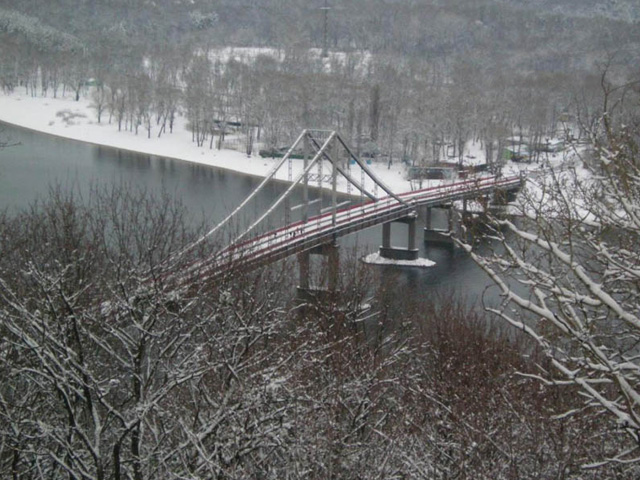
[77, 120]
[64, 117]
[360, 59]
[377, 259]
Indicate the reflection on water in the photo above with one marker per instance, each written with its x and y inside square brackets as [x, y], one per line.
[28, 170]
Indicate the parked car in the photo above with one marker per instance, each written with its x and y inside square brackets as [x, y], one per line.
[517, 153]
[279, 152]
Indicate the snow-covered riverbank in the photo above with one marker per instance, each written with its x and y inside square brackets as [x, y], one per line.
[67, 118]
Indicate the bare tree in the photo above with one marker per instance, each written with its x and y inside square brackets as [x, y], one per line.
[105, 372]
[108, 371]
[569, 272]
[100, 97]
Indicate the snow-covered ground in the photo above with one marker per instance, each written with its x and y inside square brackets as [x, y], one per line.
[359, 59]
[77, 120]
[67, 118]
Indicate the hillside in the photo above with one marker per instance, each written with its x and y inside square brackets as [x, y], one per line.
[623, 10]
[436, 28]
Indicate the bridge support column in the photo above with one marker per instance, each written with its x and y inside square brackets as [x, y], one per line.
[386, 235]
[466, 215]
[439, 236]
[332, 253]
[304, 264]
[450, 218]
[503, 196]
[333, 266]
[498, 203]
[398, 253]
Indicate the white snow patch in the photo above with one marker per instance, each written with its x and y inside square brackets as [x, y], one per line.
[377, 259]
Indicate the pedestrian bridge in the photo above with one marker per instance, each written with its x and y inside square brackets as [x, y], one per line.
[311, 234]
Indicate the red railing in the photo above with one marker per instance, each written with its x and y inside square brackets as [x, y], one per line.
[300, 236]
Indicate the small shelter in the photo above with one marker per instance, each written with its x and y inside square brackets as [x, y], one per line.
[516, 153]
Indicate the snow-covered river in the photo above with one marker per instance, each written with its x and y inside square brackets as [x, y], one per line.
[30, 169]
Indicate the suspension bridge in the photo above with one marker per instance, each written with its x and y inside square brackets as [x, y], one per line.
[317, 234]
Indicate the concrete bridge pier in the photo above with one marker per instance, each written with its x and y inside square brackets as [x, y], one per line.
[439, 236]
[399, 253]
[331, 252]
[503, 197]
[499, 201]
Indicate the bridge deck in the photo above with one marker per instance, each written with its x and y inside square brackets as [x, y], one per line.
[300, 236]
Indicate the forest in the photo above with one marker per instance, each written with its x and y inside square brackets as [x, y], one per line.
[400, 79]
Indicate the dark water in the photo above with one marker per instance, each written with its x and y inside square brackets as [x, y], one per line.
[28, 170]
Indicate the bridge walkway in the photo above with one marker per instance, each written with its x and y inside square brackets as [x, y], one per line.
[326, 228]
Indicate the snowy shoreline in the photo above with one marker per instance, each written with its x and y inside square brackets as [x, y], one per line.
[76, 120]
[136, 152]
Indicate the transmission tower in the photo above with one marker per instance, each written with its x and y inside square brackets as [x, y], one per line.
[325, 10]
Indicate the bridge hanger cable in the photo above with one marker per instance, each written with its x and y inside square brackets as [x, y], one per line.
[265, 180]
[295, 183]
[372, 175]
[322, 152]
[345, 174]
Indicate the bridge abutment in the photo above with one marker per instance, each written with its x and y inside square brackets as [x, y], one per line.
[399, 253]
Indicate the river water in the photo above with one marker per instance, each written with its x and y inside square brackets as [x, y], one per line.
[30, 169]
